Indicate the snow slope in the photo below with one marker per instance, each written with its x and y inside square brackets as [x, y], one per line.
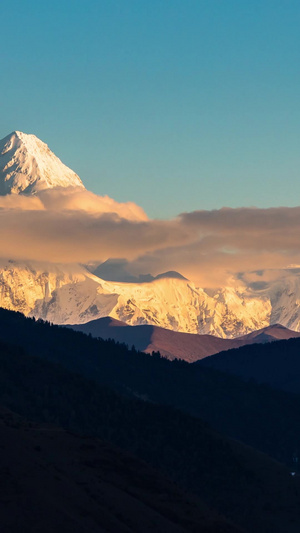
[70, 294]
[27, 166]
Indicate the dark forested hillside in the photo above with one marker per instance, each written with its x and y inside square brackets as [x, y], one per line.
[247, 487]
[54, 481]
[257, 415]
[277, 363]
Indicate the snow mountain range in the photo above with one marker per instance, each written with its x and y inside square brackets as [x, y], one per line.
[71, 294]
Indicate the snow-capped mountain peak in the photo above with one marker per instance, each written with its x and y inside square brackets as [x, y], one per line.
[27, 166]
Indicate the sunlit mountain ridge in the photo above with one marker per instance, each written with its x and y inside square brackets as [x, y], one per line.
[70, 294]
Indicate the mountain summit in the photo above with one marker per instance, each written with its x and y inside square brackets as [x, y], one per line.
[27, 166]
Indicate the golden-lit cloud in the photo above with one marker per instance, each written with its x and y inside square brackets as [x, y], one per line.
[18, 201]
[78, 199]
[75, 225]
[206, 246]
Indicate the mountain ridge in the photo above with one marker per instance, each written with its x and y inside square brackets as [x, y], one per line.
[173, 344]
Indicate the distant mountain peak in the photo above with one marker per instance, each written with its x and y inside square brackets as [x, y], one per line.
[171, 274]
[117, 270]
[27, 165]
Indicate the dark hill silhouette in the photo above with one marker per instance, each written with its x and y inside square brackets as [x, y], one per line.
[276, 364]
[256, 415]
[247, 487]
[173, 344]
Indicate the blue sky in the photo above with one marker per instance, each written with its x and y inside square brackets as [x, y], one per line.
[175, 105]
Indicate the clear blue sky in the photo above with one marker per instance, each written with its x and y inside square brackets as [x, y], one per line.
[174, 104]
